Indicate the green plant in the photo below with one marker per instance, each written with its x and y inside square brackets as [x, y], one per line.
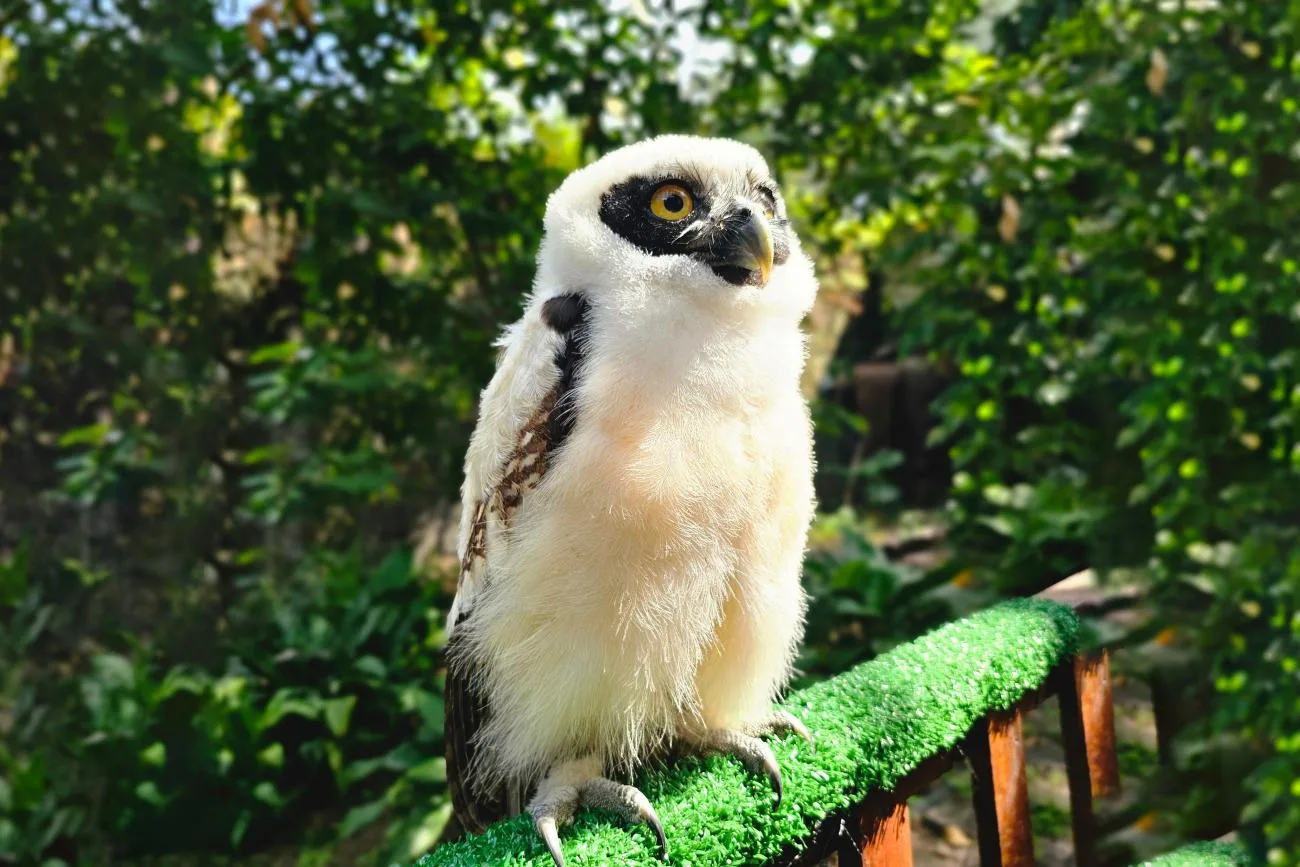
[1101, 224]
[860, 603]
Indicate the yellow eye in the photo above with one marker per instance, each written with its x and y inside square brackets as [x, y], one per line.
[671, 202]
[769, 213]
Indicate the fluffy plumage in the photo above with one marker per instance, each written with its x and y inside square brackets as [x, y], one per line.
[639, 486]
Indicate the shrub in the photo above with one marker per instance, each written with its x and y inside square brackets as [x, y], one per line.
[1102, 227]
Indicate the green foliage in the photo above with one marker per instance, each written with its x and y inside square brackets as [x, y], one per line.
[861, 604]
[1102, 227]
[1049, 820]
[330, 695]
[194, 758]
[1135, 760]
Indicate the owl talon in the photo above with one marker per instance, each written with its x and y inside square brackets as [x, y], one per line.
[753, 753]
[781, 722]
[559, 804]
[546, 827]
[628, 803]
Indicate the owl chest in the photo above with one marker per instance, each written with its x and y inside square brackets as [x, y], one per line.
[683, 444]
[679, 470]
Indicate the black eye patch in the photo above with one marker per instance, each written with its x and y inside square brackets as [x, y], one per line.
[626, 210]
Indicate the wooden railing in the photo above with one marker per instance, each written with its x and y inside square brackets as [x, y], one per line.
[877, 831]
[969, 665]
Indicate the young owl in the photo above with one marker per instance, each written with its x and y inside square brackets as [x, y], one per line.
[637, 493]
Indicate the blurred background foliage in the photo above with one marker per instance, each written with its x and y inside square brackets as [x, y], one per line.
[252, 258]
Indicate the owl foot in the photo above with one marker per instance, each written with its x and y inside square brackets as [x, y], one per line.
[567, 787]
[753, 753]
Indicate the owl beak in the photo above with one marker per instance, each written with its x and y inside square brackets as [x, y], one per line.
[743, 253]
[752, 248]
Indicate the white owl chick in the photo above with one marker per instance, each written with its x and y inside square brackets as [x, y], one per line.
[637, 493]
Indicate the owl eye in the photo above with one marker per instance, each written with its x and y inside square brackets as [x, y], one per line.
[671, 202]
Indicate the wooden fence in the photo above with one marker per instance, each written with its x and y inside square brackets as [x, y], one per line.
[877, 831]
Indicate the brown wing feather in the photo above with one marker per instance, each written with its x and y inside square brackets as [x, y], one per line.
[464, 708]
[467, 709]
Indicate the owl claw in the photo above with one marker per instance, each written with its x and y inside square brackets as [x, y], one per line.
[753, 753]
[774, 777]
[559, 805]
[627, 802]
[781, 722]
[545, 826]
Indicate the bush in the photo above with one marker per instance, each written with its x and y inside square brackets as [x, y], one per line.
[1103, 228]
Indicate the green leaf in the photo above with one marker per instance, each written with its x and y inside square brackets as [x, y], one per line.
[338, 711]
[272, 756]
[360, 817]
[147, 791]
[279, 352]
[182, 680]
[372, 667]
[268, 794]
[90, 435]
[240, 827]
[155, 754]
[431, 771]
[286, 702]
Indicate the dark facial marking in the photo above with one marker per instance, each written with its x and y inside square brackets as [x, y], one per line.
[626, 210]
[707, 232]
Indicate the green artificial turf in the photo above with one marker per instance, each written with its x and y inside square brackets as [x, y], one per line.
[1203, 855]
[873, 725]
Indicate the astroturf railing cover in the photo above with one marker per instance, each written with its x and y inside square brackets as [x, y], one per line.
[874, 725]
[1205, 854]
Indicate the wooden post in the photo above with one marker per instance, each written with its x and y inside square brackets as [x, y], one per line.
[996, 750]
[1097, 710]
[885, 830]
[1088, 735]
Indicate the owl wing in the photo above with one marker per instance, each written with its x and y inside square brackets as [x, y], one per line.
[525, 414]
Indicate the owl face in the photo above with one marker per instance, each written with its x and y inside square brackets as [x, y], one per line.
[729, 218]
[681, 214]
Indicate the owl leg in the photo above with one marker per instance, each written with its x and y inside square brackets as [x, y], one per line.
[753, 753]
[581, 783]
